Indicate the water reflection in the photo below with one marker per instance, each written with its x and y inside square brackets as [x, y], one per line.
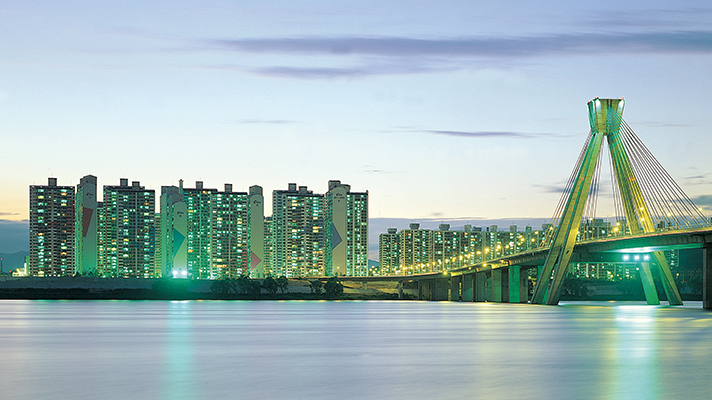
[352, 350]
[633, 353]
[178, 356]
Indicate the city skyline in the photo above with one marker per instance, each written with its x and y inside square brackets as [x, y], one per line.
[444, 112]
[196, 233]
[13, 237]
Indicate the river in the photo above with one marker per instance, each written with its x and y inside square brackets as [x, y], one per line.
[352, 350]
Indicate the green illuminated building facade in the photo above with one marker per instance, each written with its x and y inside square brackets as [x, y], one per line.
[85, 226]
[357, 234]
[256, 232]
[346, 231]
[445, 248]
[414, 246]
[268, 247]
[52, 224]
[229, 240]
[126, 231]
[199, 202]
[297, 232]
[171, 233]
[388, 254]
[417, 250]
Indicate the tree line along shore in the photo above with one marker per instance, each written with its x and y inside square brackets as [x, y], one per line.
[243, 288]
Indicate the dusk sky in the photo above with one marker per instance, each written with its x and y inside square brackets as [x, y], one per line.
[443, 110]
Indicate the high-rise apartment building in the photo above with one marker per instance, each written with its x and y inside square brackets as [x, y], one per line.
[229, 240]
[126, 231]
[199, 202]
[445, 248]
[256, 232]
[297, 232]
[388, 254]
[335, 209]
[85, 226]
[171, 233]
[158, 261]
[52, 235]
[416, 250]
[268, 248]
[345, 231]
[357, 234]
[414, 246]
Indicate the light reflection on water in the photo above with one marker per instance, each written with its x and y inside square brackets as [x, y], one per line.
[352, 350]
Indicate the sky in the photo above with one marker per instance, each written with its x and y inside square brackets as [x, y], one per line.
[445, 111]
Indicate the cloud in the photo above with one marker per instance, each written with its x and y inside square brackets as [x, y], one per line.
[662, 124]
[358, 71]
[672, 42]
[266, 121]
[8, 213]
[479, 134]
[471, 134]
[653, 18]
[551, 188]
[352, 71]
[313, 73]
[698, 179]
[703, 200]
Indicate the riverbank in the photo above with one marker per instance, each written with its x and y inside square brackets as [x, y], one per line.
[91, 288]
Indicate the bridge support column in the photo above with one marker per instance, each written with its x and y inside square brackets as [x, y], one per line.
[540, 270]
[646, 276]
[364, 286]
[420, 289]
[497, 285]
[505, 285]
[707, 276]
[468, 292]
[517, 285]
[429, 286]
[440, 289]
[480, 281]
[455, 288]
[400, 290]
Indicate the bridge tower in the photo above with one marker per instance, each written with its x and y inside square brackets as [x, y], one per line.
[605, 117]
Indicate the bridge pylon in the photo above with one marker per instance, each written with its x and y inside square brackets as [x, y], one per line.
[605, 118]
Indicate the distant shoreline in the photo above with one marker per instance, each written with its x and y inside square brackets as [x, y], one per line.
[93, 288]
[149, 294]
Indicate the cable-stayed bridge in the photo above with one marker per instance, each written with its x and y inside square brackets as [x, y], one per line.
[652, 214]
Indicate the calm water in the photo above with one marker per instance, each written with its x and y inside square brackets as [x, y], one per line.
[352, 350]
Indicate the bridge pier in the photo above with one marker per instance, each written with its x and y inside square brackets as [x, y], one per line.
[707, 276]
[646, 276]
[544, 281]
[400, 290]
[468, 292]
[496, 285]
[455, 288]
[480, 286]
[433, 289]
[517, 285]
[440, 289]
